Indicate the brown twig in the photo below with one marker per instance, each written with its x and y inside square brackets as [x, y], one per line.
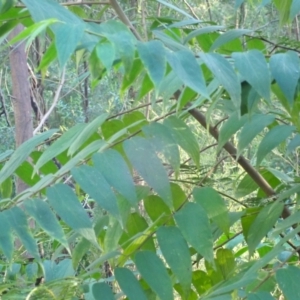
[250, 170]
[122, 16]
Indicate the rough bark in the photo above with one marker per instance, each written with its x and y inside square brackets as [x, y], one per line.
[20, 96]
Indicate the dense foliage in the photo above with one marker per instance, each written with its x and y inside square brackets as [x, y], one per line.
[188, 191]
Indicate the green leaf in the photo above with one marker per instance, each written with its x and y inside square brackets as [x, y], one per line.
[6, 236]
[67, 38]
[5, 155]
[155, 274]
[122, 39]
[155, 208]
[112, 236]
[134, 121]
[67, 34]
[200, 31]
[47, 58]
[79, 251]
[229, 128]
[130, 78]
[228, 36]
[98, 145]
[272, 139]
[106, 53]
[188, 70]
[137, 224]
[194, 224]
[225, 74]
[262, 224]
[283, 8]
[48, 168]
[286, 223]
[251, 129]
[145, 87]
[245, 187]
[25, 172]
[86, 133]
[6, 188]
[184, 137]
[32, 32]
[201, 281]
[253, 68]
[225, 262]
[102, 291]
[66, 204]
[59, 146]
[295, 8]
[293, 144]
[179, 196]
[176, 252]
[288, 280]
[214, 205]
[164, 142]
[93, 183]
[18, 222]
[143, 157]
[56, 271]
[152, 55]
[115, 170]
[285, 70]
[129, 284]
[46, 219]
[22, 153]
[6, 5]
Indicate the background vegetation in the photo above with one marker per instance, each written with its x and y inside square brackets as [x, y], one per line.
[156, 149]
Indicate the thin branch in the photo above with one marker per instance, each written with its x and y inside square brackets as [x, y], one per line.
[191, 9]
[250, 170]
[209, 10]
[122, 16]
[133, 109]
[55, 100]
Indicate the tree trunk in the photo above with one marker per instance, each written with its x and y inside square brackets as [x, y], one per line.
[21, 96]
